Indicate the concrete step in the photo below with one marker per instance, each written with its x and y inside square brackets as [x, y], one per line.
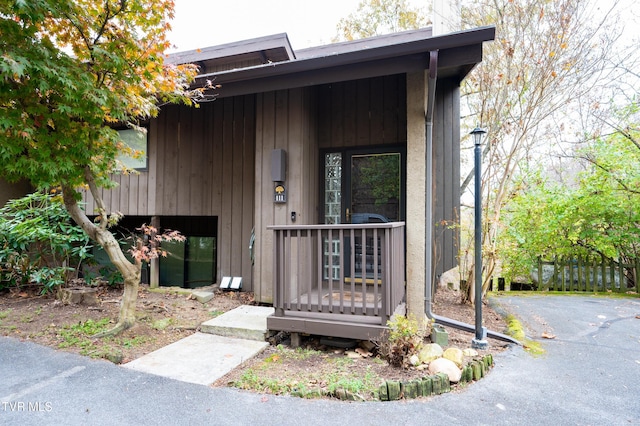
[243, 322]
[199, 358]
[223, 343]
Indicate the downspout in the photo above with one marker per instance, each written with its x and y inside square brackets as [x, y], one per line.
[428, 288]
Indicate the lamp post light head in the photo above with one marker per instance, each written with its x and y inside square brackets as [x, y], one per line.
[477, 134]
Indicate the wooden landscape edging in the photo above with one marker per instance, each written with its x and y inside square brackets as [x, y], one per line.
[393, 390]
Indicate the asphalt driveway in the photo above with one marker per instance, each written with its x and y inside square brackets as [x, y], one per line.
[589, 375]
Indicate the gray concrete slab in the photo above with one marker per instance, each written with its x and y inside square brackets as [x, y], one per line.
[202, 296]
[246, 322]
[200, 358]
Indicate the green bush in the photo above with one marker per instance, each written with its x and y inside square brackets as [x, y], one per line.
[39, 244]
[403, 340]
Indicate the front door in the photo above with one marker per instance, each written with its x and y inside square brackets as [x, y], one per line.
[364, 186]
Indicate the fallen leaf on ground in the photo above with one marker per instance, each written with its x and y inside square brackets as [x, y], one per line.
[548, 335]
[363, 352]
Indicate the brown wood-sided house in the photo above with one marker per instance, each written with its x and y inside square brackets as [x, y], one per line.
[306, 175]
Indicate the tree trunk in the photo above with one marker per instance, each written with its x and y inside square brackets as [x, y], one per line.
[131, 274]
[100, 234]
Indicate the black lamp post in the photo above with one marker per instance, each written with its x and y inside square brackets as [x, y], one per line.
[480, 340]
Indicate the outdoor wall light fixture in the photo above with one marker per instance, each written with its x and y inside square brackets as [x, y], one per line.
[480, 340]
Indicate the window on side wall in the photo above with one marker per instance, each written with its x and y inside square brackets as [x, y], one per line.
[136, 140]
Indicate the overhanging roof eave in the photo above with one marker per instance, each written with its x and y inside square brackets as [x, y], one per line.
[448, 41]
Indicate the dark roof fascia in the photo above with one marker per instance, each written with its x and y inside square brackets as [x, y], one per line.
[465, 38]
[365, 43]
[314, 77]
[275, 41]
[453, 63]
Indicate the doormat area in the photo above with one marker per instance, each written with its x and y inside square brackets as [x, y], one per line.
[356, 297]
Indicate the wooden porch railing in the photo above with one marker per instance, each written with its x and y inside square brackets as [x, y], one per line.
[337, 280]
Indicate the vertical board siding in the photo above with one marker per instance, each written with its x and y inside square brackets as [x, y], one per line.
[247, 212]
[364, 116]
[284, 120]
[265, 142]
[201, 163]
[363, 112]
[224, 235]
[168, 157]
[446, 170]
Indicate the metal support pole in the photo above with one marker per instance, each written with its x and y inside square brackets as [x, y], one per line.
[480, 341]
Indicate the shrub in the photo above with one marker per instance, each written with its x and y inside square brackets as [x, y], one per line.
[403, 340]
[39, 244]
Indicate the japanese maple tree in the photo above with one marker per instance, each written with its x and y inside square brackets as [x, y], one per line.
[69, 71]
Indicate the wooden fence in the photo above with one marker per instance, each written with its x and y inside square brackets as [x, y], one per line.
[588, 275]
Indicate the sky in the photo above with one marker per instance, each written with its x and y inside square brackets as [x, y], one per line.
[203, 23]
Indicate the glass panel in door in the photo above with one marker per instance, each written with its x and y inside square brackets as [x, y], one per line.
[374, 188]
[359, 187]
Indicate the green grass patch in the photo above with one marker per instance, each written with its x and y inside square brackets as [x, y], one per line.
[515, 330]
[133, 342]
[256, 379]
[608, 295]
[162, 324]
[356, 385]
[298, 353]
[328, 375]
[78, 336]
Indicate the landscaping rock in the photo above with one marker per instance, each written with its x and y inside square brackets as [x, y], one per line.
[429, 352]
[161, 324]
[414, 360]
[455, 355]
[202, 296]
[470, 352]
[79, 296]
[448, 367]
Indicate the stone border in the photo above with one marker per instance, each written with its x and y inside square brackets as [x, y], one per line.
[434, 385]
[392, 390]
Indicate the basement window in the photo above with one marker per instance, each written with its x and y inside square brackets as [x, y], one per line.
[137, 141]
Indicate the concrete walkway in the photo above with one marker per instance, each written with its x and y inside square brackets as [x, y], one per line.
[224, 343]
